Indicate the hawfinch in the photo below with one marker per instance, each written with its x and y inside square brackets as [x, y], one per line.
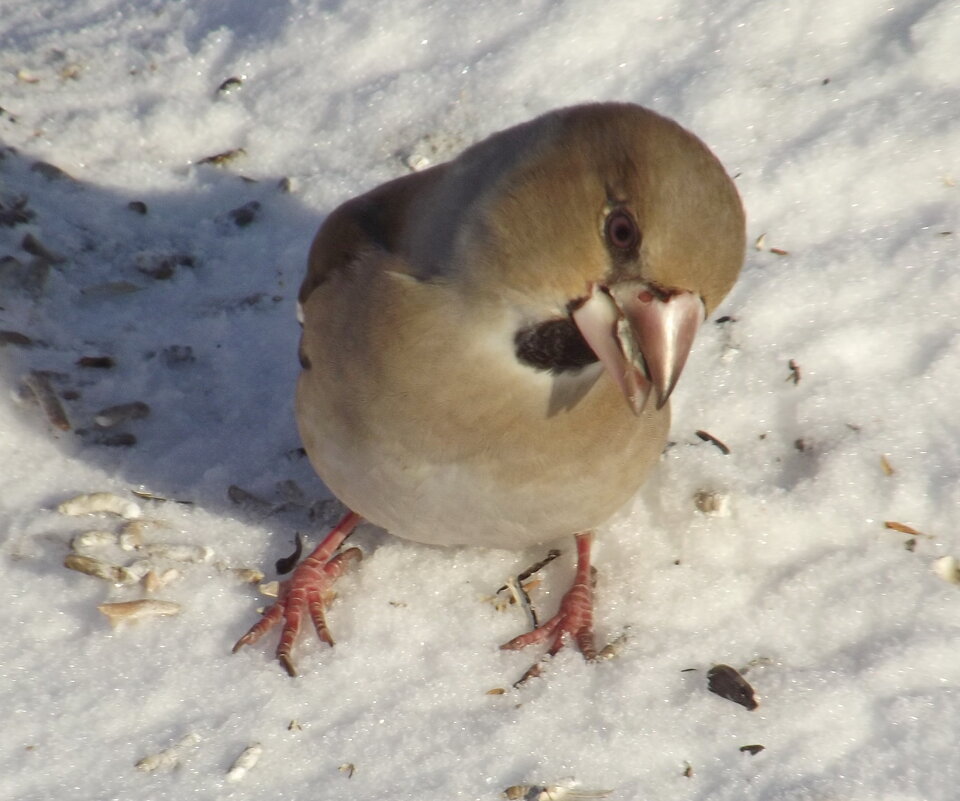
[489, 345]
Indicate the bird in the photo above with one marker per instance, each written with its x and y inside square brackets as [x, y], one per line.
[489, 345]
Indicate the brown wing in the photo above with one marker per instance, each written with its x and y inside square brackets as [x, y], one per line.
[374, 221]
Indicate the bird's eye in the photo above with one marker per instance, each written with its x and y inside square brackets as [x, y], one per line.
[621, 230]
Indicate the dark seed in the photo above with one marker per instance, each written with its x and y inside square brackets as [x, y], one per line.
[219, 159]
[288, 563]
[50, 172]
[230, 84]
[121, 439]
[35, 247]
[14, 338]
[98, 362]
[245, 214]
[726, 682]
[706, 437]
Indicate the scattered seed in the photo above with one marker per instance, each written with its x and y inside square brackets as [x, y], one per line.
[93, 539]
[243, 215]
[50, 172]
[294, 725]
[416, 162]
[496, 691]
[794, 371]
[96, 502]
[947, 568]
[270, 588]
[726, 682]
[38, 384]
[14, 338]
[97, 568]
[180, 553]
[687, 770]
[707, 437]
[96, 362]
[903, 528]
[169, 757]
[219, 159]
[715, 504]
[552, 792]
[753, 750]
[911, 544]
[229, 85]
[137, 206]
[523, 575]
[243, 763]
[886, 466]
[121, 413]
[522, 599]
[347, 768]
[288, 563]
[248, 575]
[153, 581]
[128, 611]
[152, 496]
[761, 244]
[615, 647]
[35, 247]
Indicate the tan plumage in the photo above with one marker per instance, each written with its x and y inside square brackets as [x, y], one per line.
[416, 405]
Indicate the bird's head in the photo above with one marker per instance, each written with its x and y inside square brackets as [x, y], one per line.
[617, 232]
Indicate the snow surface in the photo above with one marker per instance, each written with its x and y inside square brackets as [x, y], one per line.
[841, 121]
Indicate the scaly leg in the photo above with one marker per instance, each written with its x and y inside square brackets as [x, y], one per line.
[307, 590]
[573, 619]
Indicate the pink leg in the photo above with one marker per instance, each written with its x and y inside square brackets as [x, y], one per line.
[573, 619]
[305, 591]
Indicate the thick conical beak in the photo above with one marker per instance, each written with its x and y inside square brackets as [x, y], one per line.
[642, 336]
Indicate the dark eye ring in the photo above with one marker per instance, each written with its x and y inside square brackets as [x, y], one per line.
[621, 230]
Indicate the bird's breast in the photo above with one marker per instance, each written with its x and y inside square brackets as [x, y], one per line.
[460, 443]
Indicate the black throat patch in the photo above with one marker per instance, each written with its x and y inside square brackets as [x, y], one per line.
[554, 345]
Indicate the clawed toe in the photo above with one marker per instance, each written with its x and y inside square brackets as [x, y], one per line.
[306, 591]
[574, 619]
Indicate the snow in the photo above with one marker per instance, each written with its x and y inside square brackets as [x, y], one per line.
[839, 119]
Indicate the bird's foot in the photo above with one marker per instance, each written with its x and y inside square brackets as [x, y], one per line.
[574, 619]
[306, 591]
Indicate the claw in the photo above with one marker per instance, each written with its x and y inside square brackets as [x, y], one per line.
[307, 590]
[573, 620]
